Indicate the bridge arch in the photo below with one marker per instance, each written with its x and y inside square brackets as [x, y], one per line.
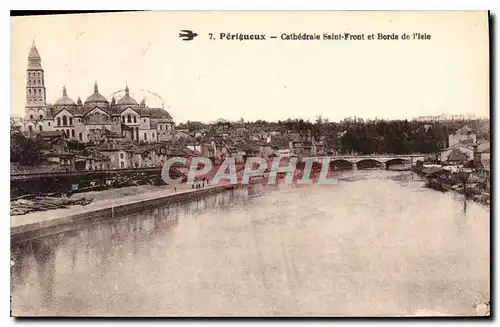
[396, 161]
[340, 164]
[368, 163]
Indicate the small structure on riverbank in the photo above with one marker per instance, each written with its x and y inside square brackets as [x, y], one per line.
[462, 180]
[23, 206]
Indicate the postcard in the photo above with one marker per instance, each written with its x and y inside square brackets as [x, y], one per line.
[250, 164]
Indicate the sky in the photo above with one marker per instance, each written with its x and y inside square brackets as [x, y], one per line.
[204, 80]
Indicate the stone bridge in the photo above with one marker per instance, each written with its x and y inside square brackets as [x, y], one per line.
[384, 160]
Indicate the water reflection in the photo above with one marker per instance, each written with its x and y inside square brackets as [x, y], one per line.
[376, 243]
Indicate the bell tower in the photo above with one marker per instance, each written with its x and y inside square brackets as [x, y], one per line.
[35, 86]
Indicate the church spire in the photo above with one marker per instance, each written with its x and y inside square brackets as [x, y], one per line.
[35, 83]
[79, 101]
[64, 91]
[126, 89]
[96, 88]
[34, 51]
[34, 59]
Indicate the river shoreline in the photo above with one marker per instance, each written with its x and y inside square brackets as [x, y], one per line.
[39, 224]
[436, 182]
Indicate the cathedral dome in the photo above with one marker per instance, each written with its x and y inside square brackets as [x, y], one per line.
[64, 100]
[96, 98]
[127, 99]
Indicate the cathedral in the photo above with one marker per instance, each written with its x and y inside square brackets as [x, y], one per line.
[94, 120]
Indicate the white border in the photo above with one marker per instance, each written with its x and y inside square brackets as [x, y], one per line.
[492, 5]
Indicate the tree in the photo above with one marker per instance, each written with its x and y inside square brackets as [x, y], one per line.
[24, 150]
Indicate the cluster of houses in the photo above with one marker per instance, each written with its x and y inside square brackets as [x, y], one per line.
[108, 152]
[466, 151]
[238, 141]
[63, 155]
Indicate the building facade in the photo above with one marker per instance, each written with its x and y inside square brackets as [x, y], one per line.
[94, 120]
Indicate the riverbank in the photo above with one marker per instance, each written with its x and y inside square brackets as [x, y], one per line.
[443, 180]
[107, 205]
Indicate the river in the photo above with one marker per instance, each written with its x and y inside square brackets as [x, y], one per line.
[377, 243]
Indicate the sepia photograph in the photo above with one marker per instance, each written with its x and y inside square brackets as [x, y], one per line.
[250, 164]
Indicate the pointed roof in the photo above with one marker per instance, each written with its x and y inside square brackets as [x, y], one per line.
[34, 60]
[483, 147]
[34, 52]
[463, 130]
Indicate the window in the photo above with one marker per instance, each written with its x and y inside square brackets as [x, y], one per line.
[160, 127]
[123, 119]
[79, 120]
[65, 120]
[72, 133]
[58, 121]
[40, 128]
[39, 83]
[144, 119]
[31, 116]
[48, 123]
[40, 91]
[153, 135]
[80, 136]
[145, 136]
[121, 155]
[129, 119]
[29, 91]
[41, 117]
[122, 164]
[70, 121]
[30, 128]
[135, 119]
